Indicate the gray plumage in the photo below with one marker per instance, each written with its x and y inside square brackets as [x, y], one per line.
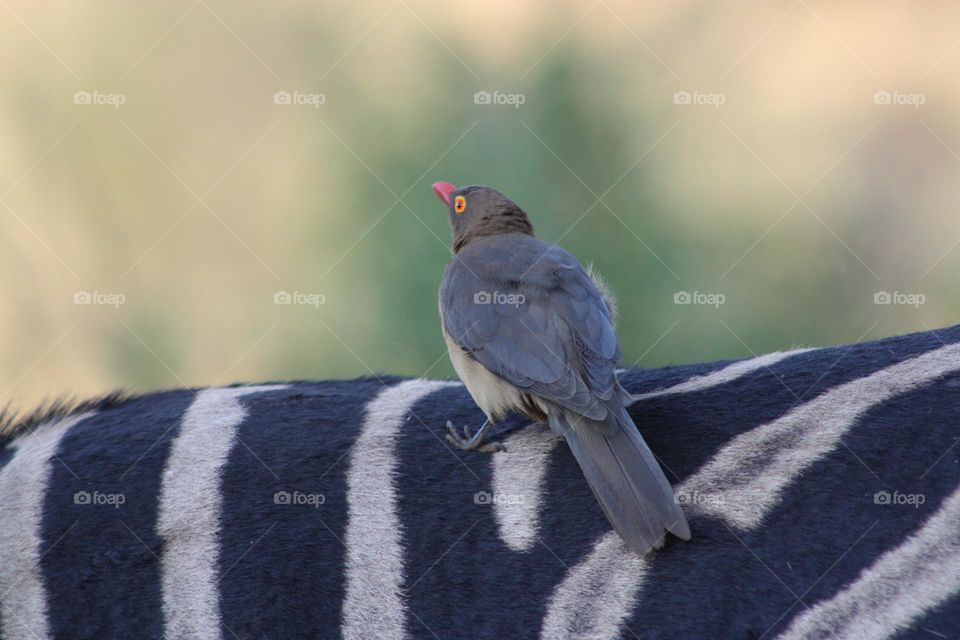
[528, 330]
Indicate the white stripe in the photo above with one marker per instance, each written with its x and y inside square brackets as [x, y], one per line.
[23, 487]
[903, 584]
[596, 596]
[373, 604]
[722, 376]
[191, 504]
[745, 479]
[518, 477]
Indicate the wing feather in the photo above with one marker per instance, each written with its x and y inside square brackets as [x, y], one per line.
[530, 313]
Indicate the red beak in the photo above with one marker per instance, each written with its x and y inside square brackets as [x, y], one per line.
[444, 190]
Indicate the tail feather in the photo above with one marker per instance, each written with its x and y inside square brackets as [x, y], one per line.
[625, 478]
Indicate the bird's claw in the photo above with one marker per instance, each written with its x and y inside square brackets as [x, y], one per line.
[471, 442]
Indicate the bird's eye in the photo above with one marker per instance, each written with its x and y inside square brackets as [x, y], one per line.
[459, 204]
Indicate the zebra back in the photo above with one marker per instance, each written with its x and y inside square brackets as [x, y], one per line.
[821, 487]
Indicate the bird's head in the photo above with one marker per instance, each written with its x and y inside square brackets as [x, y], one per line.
[477, 211]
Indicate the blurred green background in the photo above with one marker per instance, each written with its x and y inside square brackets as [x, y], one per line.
[179, 164]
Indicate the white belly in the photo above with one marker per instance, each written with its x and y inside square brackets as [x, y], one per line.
[495, 396]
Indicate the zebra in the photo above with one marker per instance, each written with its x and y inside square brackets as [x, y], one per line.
[822, 488]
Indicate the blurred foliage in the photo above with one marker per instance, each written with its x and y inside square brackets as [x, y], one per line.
[200, 198]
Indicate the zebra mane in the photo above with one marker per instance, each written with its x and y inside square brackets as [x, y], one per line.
[13, 422]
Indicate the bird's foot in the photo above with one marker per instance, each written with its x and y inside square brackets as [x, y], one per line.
[473, 442]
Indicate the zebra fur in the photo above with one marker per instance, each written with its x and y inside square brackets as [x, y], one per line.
[336, 509]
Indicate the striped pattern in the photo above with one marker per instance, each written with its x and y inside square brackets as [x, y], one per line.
[373, 607]
[721, 376]
[915, 577]
[23, 485]
[597, 595]
[517, 488]
[823, 489]
[190, 512]
[747, 476]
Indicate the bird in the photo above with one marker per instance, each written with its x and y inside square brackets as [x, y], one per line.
[529, 330]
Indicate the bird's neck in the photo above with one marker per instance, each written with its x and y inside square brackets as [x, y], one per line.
[502, 223]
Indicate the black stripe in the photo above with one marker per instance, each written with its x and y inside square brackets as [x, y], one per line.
[281, 565]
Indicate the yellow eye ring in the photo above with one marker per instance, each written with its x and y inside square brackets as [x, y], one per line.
[459, 204]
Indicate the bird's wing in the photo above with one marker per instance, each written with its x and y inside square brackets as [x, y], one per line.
[531, 314]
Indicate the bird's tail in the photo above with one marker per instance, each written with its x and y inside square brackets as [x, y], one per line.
[625, 477]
